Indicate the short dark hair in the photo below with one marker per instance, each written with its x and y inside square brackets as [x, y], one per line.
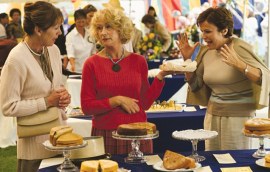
[218, 16]
[147, 18]
[79, 14]
[3, 15]
[14, 10]
[89, 8]
[41, 14]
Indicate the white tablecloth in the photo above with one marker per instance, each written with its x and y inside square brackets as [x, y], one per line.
[74, 89]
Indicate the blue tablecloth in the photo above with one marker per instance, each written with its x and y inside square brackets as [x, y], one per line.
[242, 158]
[168, 122]
[172, 85]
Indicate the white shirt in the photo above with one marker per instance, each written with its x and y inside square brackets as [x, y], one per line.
[3, 34]
[79, 47]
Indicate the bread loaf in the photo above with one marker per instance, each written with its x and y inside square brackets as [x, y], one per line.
[56, 132]
[136, 129]
[103, 165]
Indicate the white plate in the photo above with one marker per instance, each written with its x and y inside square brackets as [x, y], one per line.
[199, 134]
[159, 166]
[261, 162]
[49, 146]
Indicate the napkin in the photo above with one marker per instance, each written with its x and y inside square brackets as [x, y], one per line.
[238, 169]
[204, 169]
[190, 109]
[224, 158]
[152, 159]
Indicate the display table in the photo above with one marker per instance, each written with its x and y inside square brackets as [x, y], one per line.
[172, 85]
[242, 158]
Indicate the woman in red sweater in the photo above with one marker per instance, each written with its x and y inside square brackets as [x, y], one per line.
[115, 88]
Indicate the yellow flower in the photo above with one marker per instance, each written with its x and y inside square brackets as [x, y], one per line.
[151, 35]
[144, 48]
[150, 44]
[145, 38]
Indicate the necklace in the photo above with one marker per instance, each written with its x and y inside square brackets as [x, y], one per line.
[116, 67]
[33, 52]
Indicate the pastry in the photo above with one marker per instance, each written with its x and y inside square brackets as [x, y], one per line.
[102, 165]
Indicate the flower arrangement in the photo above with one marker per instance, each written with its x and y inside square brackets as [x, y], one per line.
[150, 46]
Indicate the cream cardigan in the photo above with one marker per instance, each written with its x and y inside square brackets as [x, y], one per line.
[23, 87]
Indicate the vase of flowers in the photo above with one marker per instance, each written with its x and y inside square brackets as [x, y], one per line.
[150, 47]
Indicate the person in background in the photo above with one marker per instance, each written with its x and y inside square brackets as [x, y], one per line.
[35, 66]
[89, 11]
[115, 88]
[14, 28]
[78, 45]
[151, 11]
[160, 31]
[3, 23]
[233, 95]
[136, 38]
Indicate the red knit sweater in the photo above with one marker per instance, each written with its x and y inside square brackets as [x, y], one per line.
[100, 82]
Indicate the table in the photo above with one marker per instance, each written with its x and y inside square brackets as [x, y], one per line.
[167, 122]
[242, 157]
[172, 85]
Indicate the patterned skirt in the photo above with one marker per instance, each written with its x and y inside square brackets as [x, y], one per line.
[116, 146]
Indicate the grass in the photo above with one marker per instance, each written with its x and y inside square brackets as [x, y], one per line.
[8, 159]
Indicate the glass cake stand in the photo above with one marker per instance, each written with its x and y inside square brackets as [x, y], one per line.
[194, 136]
[261, 152]
[135, 156]
[67, 165]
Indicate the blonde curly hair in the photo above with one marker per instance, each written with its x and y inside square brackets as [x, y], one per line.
[117, 20]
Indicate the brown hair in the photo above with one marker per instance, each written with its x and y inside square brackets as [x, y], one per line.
[41, 14]
[117, 19]
[220, 17]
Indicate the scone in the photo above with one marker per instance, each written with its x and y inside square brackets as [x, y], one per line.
[89, 166]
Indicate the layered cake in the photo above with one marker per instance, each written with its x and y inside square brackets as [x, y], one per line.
[63, 136]
[267, 158]
[173, 161]
[136, 129]
[99, 165]
[257, 126]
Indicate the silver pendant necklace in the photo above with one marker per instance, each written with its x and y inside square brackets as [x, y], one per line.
[116, 67]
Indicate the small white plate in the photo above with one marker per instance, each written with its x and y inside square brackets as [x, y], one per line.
[159, 166]
[262, 163]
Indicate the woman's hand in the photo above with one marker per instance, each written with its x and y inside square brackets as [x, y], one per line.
[184, 47]
[128, 104]
[230, 57]
[64, 100]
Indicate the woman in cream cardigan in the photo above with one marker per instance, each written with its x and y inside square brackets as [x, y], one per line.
[230, 80]
[31, 79]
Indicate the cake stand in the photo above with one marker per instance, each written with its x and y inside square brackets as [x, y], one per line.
[135, 156]
[67, 165]
[261, 152]
[194, 136]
